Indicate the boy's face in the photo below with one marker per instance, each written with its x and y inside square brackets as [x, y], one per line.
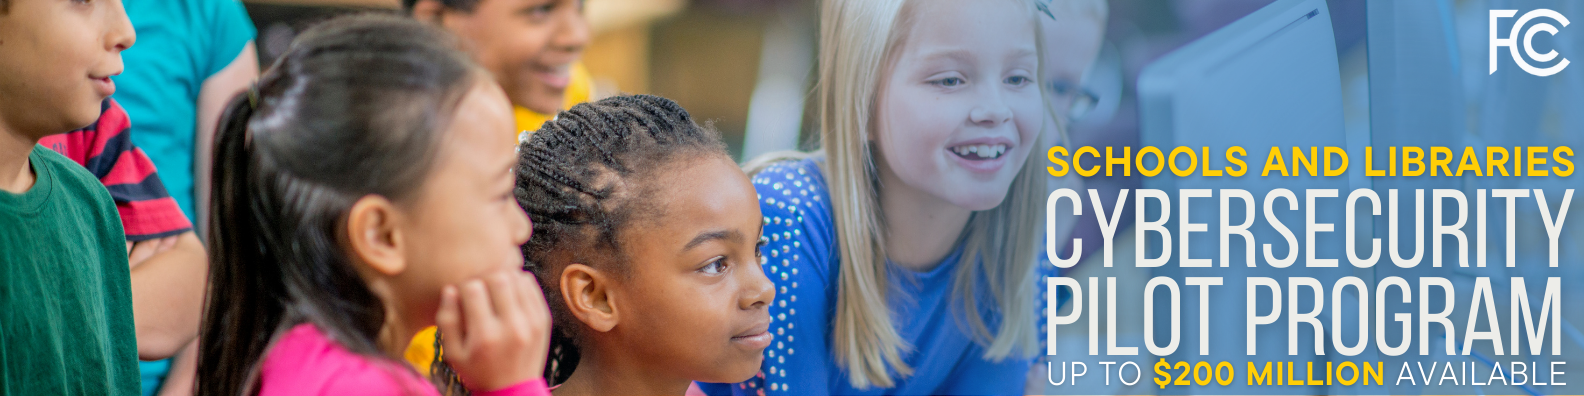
[529, 45]
[695, 298]
[1071, 46]
[56, 60]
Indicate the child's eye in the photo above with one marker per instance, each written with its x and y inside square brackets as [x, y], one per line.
[1019, 81]
[539, 11]
[544, 9]
[949, 82]
[716, 266]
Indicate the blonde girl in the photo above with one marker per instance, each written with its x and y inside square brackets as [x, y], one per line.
[904, 251]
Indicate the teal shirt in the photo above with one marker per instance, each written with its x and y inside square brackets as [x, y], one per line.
[180, 44]
[65, 288]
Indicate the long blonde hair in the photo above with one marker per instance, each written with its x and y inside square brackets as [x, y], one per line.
[1000, 242]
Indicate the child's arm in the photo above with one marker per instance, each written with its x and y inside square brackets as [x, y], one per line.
[167, 297]
[1016, 374]
[974, 376]
[217, 90]
[183, 376]
[138, 252]
[533, 387]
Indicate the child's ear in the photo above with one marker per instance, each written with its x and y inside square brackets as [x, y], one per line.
[374, 235]
[587, 293]
[428, 11]
[436, 13]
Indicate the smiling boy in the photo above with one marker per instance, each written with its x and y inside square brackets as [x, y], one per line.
[66, 323]
[530, 46]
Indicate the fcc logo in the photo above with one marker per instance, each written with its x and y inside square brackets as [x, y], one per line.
[1526, 36]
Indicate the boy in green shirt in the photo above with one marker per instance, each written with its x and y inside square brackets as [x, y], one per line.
[66, 323]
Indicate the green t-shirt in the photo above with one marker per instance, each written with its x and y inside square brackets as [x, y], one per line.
[65, 288]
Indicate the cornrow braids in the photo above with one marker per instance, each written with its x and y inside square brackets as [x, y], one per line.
[583, 177]
[442, 374]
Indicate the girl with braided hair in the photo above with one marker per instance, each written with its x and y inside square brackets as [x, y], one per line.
[646, 239]
[363, 191]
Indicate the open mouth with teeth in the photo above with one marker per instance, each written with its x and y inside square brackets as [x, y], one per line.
[979, 152]
[557, 77]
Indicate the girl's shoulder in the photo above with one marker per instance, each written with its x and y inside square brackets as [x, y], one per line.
[791, 186]
[795, 201]
[799, 229]
[304, 361]
[806, 169]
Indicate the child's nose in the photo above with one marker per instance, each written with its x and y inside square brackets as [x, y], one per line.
[758, 291]
[991, 112]
[522, 228]
[992, 108]
[573, 35]
[120, 35]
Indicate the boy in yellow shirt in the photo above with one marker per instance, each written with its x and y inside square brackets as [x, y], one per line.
[580, 90]
[530, 46]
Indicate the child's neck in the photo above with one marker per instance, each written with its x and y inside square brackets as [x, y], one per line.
[15, 175]
[920, 230]
[396, 334]
[614, 373]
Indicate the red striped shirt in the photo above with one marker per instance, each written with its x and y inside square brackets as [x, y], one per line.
[105, 148]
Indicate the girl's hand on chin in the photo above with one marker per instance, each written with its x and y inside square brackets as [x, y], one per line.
[496, 329]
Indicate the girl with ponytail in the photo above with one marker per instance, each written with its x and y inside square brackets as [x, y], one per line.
[364, 191]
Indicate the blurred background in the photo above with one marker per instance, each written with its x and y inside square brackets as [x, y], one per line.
[745, 65]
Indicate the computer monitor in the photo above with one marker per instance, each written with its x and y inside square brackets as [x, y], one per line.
[1270, 79]
[1427, 89]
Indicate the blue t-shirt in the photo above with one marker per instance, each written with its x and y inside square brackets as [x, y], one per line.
[801, 259]
[180, 44]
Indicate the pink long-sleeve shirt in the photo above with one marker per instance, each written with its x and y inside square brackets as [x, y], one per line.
[305, 362]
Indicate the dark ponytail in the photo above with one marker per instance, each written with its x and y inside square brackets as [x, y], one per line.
[229, 226]
[354, 108]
